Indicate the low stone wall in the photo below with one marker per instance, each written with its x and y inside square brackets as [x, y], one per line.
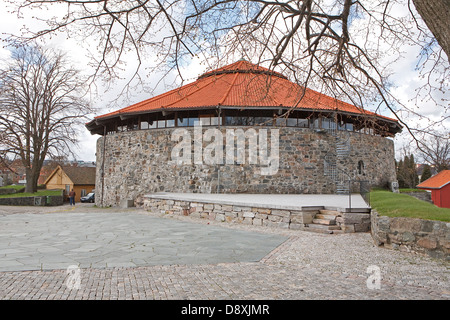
[33, 201]
[10, 190]
[287, 218]
[412, 235]
[424, 196]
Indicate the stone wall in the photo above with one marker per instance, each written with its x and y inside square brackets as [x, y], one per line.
[10, 190]
[302, 218]
[424, 196]
[412, 235]
[139, 162]
[32, 201]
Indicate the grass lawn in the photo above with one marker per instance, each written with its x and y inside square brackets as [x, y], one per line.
[13, 187]
[37, 194]
[401, 205]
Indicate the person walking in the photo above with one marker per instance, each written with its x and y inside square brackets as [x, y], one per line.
[72, 197]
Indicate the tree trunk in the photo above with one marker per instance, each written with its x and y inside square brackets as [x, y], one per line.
[32, 176]
[436, 15]
[29, 177]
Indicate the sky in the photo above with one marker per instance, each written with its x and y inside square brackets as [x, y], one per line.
[405, 79]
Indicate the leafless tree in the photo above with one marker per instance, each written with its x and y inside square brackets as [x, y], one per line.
[41, 106]
[339, 47]
[436, 151]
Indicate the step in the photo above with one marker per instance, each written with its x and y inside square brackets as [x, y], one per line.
[324, 221]
[322, 227]
[326, 216]
[330, 212]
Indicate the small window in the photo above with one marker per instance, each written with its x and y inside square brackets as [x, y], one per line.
[182, 122]
[264, 121]
[161, 123]
[349, 126]
[291, 122]
[192, 121]
[205, 121]
[361, 167]
[215, 121]
[144, 124]
[280, 122]
[170, 123]
[303, 123]
[83, 192]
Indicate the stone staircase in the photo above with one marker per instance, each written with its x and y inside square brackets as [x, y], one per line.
[325, 221]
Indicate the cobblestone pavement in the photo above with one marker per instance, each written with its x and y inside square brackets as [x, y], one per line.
[305, 266]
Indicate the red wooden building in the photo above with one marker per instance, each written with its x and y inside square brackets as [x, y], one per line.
[439, 185]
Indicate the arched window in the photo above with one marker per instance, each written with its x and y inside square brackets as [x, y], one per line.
[360, 167]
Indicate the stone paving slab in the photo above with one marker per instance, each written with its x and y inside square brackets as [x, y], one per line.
[112, 239]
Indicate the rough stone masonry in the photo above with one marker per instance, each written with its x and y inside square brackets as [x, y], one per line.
[131, 164]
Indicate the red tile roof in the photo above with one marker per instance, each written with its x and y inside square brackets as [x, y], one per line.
[436, 182]
[241, 84]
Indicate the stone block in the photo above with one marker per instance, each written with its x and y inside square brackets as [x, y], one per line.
[220, 217]
[204, 215]
[348, 228]
[351, 218]
[264, 210]
[261, 216]
[362, 227]
[408, 237]
[384, 224]
[304, 217]
[230, 218]
[247, 221]
[231, 214]
[296, 226]
[281, 213]
[273, 218]
[257, 222]
[280, 224]
[248, 214]
[195, 214]
[127, 203]
[427, 243]
[227, 208]
[208, 206]
[196, 204]
[405, 224]
[240, 208]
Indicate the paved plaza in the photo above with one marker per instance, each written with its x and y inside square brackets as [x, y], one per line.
[134, 254]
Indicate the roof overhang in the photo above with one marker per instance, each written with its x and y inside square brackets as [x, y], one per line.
[97, 125]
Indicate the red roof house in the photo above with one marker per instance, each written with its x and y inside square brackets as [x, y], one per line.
[440, 188]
